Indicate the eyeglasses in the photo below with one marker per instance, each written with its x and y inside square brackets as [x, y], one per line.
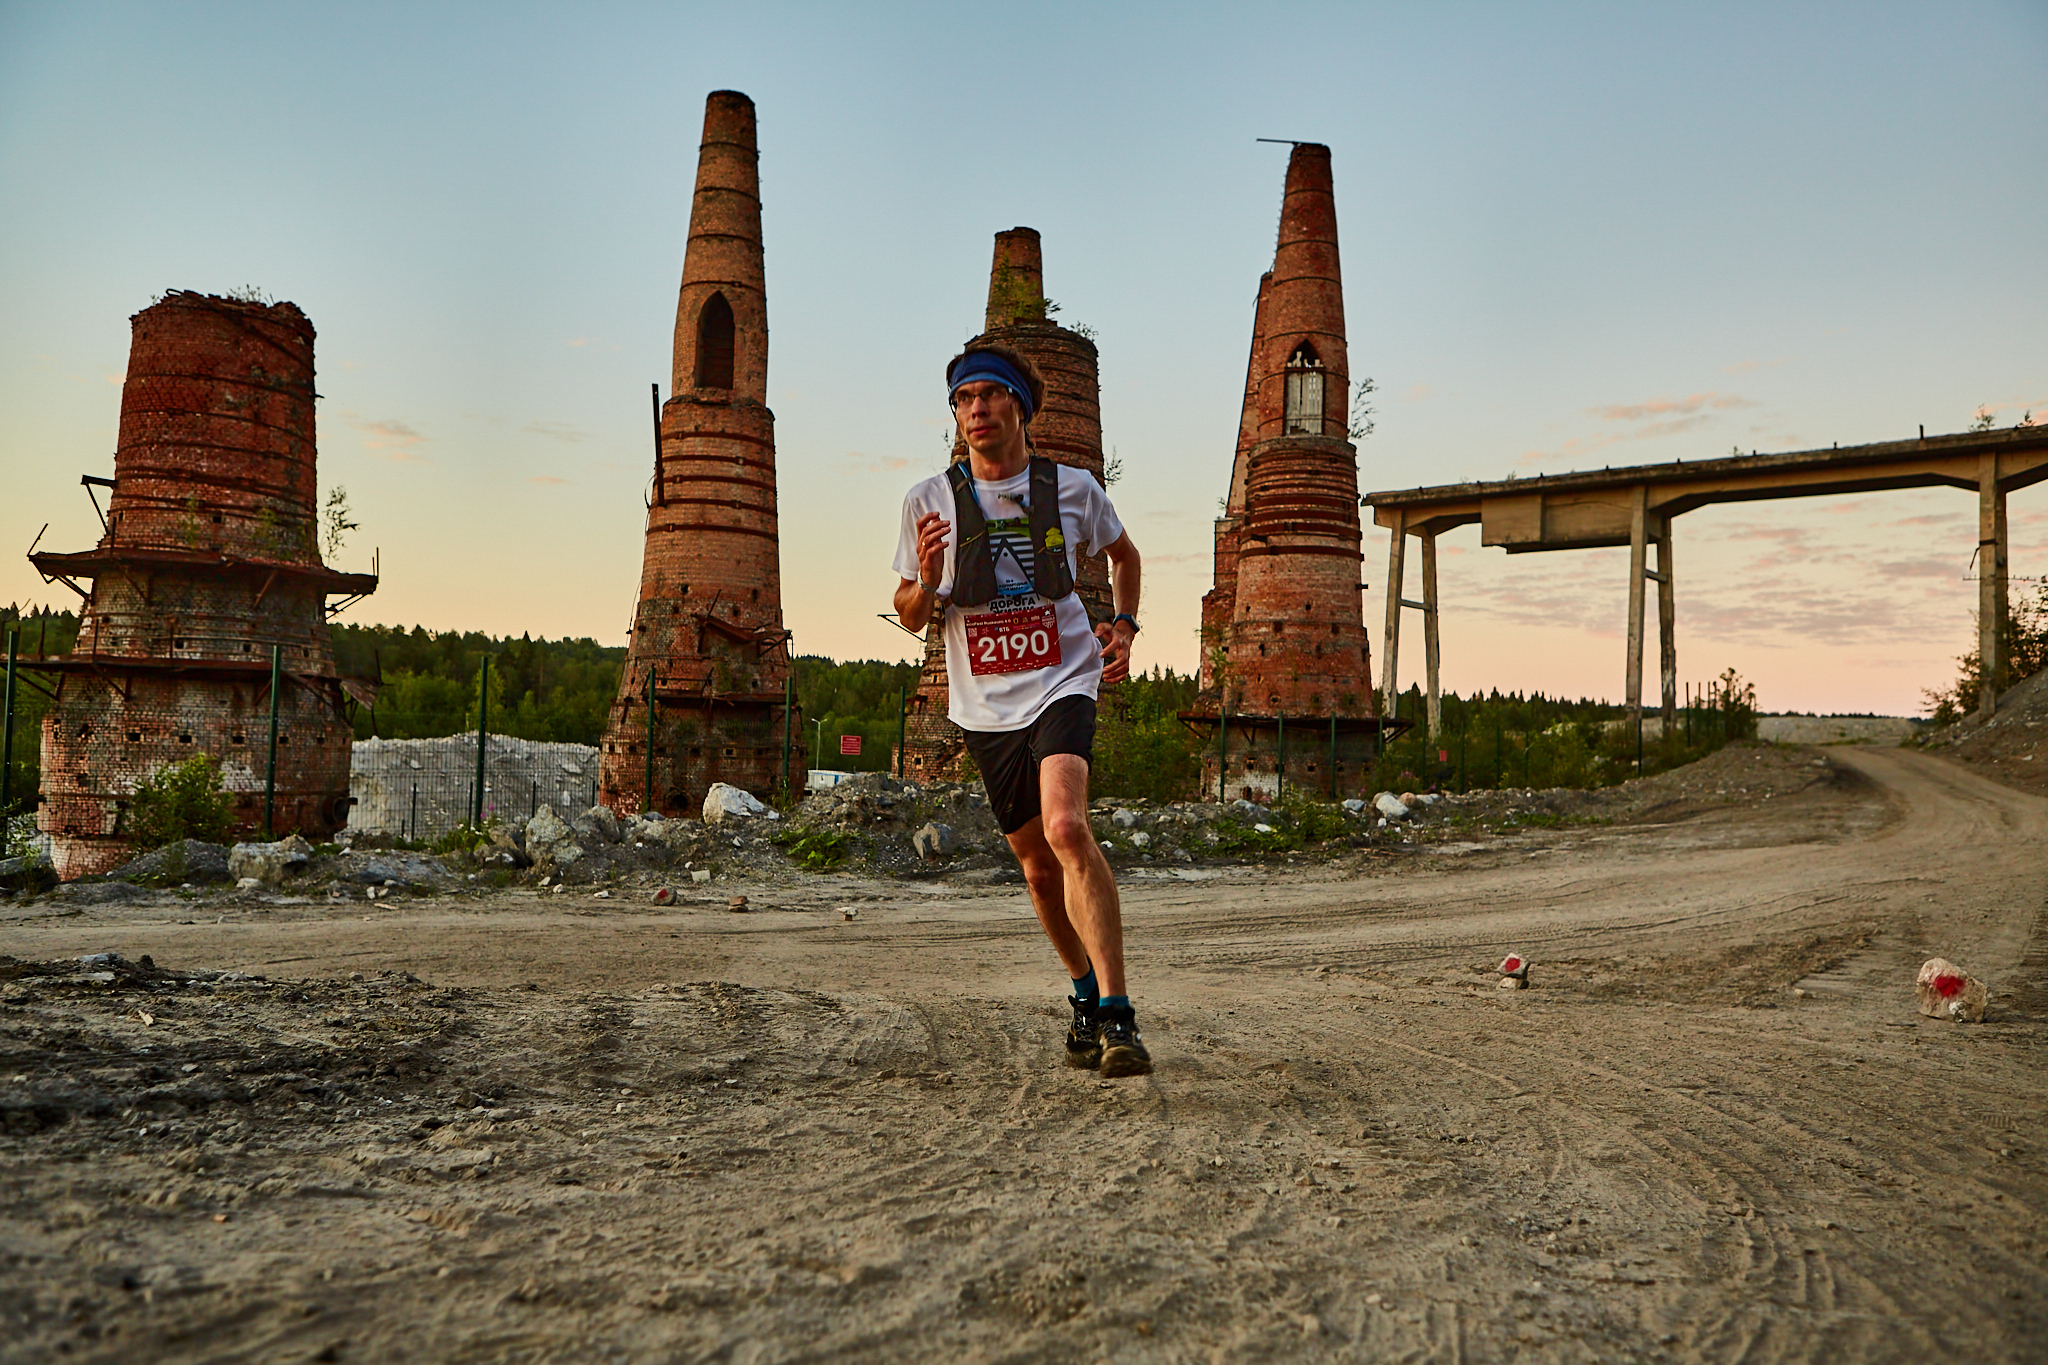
[964, 397]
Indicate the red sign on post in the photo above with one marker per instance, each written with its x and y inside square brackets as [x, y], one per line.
[849, 744]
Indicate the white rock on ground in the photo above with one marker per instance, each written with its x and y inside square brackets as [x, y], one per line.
[550, 842]
[935, 841]
[1390, 805]
[1124, 818]
[727, 802]
[596, 825]
[270, 863]
[1948, 992]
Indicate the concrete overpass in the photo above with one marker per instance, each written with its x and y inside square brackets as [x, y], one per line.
[1635, 506]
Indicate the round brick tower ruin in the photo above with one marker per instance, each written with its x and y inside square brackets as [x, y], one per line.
[707, 645]
[1285, 650]
[210, 557]
[1066, 430]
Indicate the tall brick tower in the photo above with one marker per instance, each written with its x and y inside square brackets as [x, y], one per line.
[1292, 668]
[707, 635]
[210, 557]
[1067, 430]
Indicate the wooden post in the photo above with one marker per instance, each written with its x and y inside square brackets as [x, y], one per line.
[1639, 498]
[1390, 667]
[1431, 655]
[1990, 584]
[1667, 625]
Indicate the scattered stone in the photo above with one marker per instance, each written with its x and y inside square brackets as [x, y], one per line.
[1514, 967]
[738, 905]
[550, 842]
[1124, 818]
[848, 912]
[702, 874]
[1390, 805]
[510, 836]
[602, 896]
[1514, 983]
[1249, 810]
[248, 883]
[270, 864]
[726, 802]
[664, 897]
[31, 872]
[188, 860]
[1140, 838]
[1948, 992]
[1354, 806]
[1263, 828]
[596, 826]
[935, 841]
[559, 888]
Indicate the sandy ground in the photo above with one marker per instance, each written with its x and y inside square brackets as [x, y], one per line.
[562, 1129]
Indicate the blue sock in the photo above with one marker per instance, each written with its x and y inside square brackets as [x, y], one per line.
[1085, 989]
[1114, 1002]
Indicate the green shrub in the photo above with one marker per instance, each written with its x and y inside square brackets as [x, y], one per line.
[817, 850]
[181, 801]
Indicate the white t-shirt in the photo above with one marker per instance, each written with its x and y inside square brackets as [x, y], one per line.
[996, 702]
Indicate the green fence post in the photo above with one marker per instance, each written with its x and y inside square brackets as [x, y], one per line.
[1222, 745]
[1280, 764]
[270, 780]
[1333, 758]
[483, 719]
[7, 743]
[788, 699]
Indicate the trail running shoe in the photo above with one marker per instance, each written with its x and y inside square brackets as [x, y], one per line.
[1083, 1049]
[1123, 1051]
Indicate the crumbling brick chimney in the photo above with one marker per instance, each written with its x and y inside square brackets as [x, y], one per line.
[1285, 651]
[707, 633]
[210, 556]
[1067, 430]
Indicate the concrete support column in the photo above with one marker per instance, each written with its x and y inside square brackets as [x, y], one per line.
[1637, 562]
[1667, 624]
[1390, 671]
[1991, 570]
[1431, 655]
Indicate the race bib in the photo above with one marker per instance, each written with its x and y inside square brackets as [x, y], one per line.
[1012, 641]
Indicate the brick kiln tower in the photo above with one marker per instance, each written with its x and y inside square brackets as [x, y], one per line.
[1285, 652]
[707, 635]
[1067, 430]
[210, 557]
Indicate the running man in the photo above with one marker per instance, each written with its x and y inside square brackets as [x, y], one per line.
[991, 546]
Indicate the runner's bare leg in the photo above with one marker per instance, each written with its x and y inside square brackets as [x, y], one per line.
[1047, 882]
[1089, 891]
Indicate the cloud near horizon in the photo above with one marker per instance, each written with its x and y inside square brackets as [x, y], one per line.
[1661, 407]
[389, 439]
[548, 479]
[554, 431]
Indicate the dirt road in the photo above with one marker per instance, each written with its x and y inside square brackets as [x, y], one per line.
[603, 1131]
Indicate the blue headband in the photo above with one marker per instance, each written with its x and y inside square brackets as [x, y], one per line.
[979, 366]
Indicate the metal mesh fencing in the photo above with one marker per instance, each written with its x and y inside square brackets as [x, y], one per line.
[422, 788]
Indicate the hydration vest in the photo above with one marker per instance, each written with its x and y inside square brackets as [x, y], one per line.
[974, 565]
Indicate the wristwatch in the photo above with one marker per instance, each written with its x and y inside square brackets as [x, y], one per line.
[1126, 616]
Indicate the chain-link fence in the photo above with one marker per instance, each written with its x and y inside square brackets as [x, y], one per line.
[422, 788]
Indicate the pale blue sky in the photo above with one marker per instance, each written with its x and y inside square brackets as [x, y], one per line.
[1572, 235]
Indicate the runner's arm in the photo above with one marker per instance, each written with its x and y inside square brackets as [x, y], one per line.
[916, 603]
[1125, 571]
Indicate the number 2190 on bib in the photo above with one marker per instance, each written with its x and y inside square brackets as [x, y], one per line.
[1013, 641]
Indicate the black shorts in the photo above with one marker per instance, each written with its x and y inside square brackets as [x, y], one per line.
[1009, 759]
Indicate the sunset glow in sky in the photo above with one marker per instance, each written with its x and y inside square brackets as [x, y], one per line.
[1573, 236]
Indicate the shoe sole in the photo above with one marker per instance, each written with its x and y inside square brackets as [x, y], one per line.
[1118, 1061]
[1084, 1061]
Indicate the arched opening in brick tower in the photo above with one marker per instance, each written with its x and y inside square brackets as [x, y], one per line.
[714, 344]
[1304, 392]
